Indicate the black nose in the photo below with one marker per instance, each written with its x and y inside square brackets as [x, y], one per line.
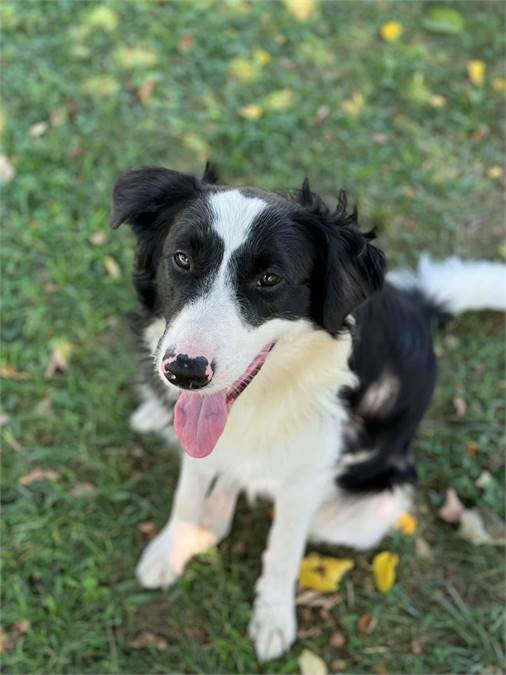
[186, 372]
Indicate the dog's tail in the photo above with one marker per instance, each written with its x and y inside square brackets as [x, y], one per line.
[453, 286]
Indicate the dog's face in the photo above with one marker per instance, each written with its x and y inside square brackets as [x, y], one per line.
[231, 269]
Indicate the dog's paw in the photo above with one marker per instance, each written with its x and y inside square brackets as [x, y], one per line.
[272, 629]
[154, 569]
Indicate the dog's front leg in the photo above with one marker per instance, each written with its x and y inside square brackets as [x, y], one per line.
[202, 514]
[273, 625]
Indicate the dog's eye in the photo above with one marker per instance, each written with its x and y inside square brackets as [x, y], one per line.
[268, 280]
[182, 260]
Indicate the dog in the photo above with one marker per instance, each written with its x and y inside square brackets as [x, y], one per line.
[276, 354]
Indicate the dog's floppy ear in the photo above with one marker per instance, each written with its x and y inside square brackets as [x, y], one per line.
[140, 195]
[349, 268]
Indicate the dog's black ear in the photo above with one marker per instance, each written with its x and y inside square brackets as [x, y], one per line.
[349, 269]
[210, 175]
[140, 195]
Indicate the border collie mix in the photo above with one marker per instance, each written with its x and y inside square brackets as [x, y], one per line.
[285, 366]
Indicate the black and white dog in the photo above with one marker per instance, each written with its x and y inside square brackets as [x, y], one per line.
[285, 366]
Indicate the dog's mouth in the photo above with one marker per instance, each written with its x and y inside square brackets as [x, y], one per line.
[200, 419]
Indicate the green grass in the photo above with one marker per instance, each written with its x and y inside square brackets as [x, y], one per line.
[420, 174]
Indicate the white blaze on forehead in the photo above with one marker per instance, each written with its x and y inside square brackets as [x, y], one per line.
[233, 215]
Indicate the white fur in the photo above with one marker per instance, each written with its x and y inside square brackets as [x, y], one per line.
[458, 285]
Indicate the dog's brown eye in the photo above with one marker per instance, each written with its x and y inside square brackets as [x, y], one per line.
[269, 279]
[182, 260]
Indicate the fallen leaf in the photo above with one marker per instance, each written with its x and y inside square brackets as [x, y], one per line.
[366, 624]
[148, 529]
[311, 664]
[472, 448]
[57, 117]
[310, 632]
[444, 20]
[391, 31]
[472, 529]
[310, 598]
[460, 406]
[262, 57]
[145, 91]
[39, 129]
[7, 171]
[452, 509]
[321, 114]
[185, 42]
[98, 238]
[354, 105]
[423, 549]
[38, 474]
[59, 359]
[44, 407]
[147, 639]
[337, 640]
[101, 86]
[416, 648]
[484, 479]
[322, 573]
[279, 100]
[112, 267]
[300, 9]
[4, 641]
[10, 372]
[406, 524]
[133, 57]
[22, 627]
[243, 70]
[83, 490]
[499, 84]
[384, 565]
[476, 72]
[102, 17]
[495, 171]
[251, 112]
[339, 665]
[4, 419]
[437, 101]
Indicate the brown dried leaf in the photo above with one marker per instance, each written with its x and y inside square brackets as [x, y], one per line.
[472, 529]
[145, 91]
[148, 529]
[311, 632]
[416, 647]
[366, 624]
[44, 407]
[337, 640]
[10, 372]
[39, 129]
[83, 490]
[7, 171]
[452, 509]
[460, 406]
[423, 549]
[472, 448]
[4, 641]
[321, 114]
[185, 42]
[309, 598]
[38, 474]
[147, 639]
[98, 238]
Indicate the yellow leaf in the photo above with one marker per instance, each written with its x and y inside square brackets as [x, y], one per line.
[112, 267]
[499, 84]
[312, 664]
[495, 171]
[102, 17]
[279, 100]
[384, 565]
[131, 57]
[10, 372]
[476, 72]
[391, 31]
[300, 9]
[251, 112]
[38, 474]
[354, 106]
[262, 57]
[243, 70]
[323, 574]
[101, 85]
[406, 524]
[437, 101]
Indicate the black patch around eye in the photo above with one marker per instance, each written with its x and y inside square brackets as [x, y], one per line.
[277, 245]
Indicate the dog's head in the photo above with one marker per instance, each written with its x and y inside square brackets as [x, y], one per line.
[232, 269]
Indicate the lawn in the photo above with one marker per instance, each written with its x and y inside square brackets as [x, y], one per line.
[271, 92]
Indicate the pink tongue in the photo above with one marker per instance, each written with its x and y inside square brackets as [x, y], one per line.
[199, 421]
